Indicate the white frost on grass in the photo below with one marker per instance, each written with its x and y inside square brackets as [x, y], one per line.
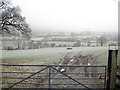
[62, 70]
[88, 63]
[72, 60]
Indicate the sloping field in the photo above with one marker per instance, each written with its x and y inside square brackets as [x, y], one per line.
[45, 56]
[51, 55]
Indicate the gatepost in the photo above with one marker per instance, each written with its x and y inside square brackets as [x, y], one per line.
[112, 69]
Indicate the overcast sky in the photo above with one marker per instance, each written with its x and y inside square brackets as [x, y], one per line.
[70, 15]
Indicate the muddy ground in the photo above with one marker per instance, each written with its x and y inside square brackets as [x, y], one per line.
[86, 78]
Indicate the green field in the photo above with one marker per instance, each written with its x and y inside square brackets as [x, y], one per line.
[51, 55]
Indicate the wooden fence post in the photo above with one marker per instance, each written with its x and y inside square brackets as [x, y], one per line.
[118, 62]
[112, 69]
[119, 37]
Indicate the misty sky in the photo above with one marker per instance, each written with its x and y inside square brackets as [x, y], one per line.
[70, 15]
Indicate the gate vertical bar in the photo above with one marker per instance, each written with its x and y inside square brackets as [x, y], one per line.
[49, 77]
[112, 69]
[105, 78]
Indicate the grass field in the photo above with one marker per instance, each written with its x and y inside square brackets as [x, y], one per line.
[51, 55]
[45, 56]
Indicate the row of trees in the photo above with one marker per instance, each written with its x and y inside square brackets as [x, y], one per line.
[23, 44]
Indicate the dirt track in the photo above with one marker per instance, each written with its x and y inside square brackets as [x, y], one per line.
[76, 60]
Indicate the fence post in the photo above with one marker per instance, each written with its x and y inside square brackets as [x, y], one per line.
[118, 61]
[112, 69]
[119, 36]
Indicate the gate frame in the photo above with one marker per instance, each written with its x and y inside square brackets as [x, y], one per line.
[49, 67]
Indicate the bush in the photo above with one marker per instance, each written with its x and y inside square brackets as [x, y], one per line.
[10, 48]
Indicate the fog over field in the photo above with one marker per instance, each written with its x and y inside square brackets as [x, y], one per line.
[70, 15]
[57, 43]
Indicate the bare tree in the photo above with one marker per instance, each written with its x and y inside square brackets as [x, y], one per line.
[11, 21]
[102, 40]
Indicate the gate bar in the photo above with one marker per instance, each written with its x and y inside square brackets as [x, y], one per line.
[70, 78]
[55, 65]
[28, 77]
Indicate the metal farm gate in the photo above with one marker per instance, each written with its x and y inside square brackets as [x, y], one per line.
[53, 76]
